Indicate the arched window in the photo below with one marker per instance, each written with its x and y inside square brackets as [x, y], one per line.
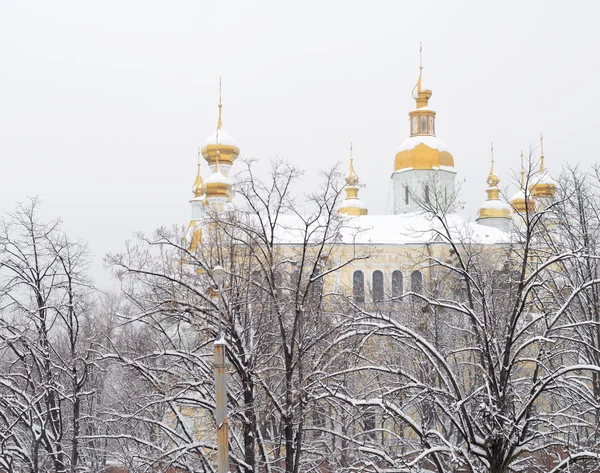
[358, 287]
[426, 193]
[416, 282]
[406, 192]
[397, 284]
[377, 286]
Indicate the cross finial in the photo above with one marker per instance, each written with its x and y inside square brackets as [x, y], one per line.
[541, 152]
[351, 150]
[420, 55]
[220, 122]
[492, 149]
[522, 172]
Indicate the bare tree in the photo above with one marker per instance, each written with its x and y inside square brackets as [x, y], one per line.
[44, 297]
[277, 259]
[487, 373]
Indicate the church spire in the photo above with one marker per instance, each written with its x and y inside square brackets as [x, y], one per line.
[220, 122]
[541, 152]
[198, 188]
[422, 119]
[544, 185]
[352, 205]
[419, 93]
[493, 212]
[228, 148]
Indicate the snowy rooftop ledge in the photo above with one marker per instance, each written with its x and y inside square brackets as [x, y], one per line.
[405, 229]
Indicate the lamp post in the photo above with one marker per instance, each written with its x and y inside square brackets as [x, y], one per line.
[218, 274]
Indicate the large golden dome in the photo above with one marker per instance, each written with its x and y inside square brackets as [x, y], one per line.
[423, 152]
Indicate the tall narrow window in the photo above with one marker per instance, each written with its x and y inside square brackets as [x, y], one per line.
[431, 130]
[358, 287]
[426, 193]
[406, 195]
[369, 423]
[416, 282]
[377, 286]
[423, 124]
[397, 288]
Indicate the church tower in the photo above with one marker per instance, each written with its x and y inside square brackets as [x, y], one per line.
[494, 212]
[352, 205]
[424, 169]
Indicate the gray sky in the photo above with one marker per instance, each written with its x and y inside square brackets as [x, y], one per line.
[103, 105]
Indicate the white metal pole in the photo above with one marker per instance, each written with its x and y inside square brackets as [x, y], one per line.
[221, 384]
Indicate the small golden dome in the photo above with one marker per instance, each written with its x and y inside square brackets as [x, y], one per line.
[352, 179]
[521, 202]
[352, 205]
[419, 93]
[493, 207]
[222, 142]
[545, 187]
[217, 185]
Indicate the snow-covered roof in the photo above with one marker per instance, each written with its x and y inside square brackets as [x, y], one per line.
[432, 141]
[495, 204]
[518, 195]
[405, 229]
[544, 178]
[217, 177]
[357, 203]
[225, 139]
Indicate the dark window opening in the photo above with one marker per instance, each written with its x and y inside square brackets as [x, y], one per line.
[377, 286]
[397, 284]
[358, 287]
[416, 282]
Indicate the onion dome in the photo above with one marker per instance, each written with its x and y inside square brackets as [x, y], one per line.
[521, 202]
[352, 205]
[222, 141]
[422, 150]
[545, 186]
[218, 186]
[493, 207]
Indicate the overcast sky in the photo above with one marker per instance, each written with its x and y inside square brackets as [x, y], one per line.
[103, 104]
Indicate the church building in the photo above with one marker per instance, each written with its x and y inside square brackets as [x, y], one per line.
[399, 244]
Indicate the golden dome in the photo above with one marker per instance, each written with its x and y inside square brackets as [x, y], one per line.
[352, 205]
[492, 179]
[423, 153]
[220, 141]
[422, 150]
[217, 185]
[493, 207]
[521, 202]
[545, 187]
